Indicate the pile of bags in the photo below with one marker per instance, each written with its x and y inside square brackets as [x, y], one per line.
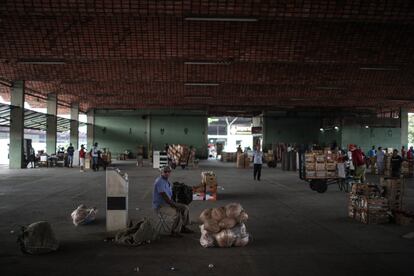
[83, 215]
[224, 226]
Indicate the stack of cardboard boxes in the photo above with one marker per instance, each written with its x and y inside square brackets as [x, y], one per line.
[207, 190]
[394, 191]
[321, 164]
[243, 161]
[367, 205]
[228, 156]
[181, 154]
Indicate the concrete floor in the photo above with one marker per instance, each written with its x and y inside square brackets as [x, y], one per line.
[295, 231]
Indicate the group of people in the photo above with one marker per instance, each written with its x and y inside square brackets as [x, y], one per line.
[376, 158]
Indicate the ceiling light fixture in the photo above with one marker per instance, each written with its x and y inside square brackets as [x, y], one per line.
[44, 62]
[366, 126]
[321, 129]
[201, 84]
[336, 127]
[222, 19]
[379, 69]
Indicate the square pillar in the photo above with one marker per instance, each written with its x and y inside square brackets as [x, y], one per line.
[404, 127]
[16, 126]
[74, 125]
[90, 131]
[51, 123]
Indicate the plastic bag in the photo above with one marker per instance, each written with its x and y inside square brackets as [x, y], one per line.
[206, 239]
[233, 210]
[83, 215]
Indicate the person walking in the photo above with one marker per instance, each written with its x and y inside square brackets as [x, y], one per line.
[82, 158]
[70, 152]
[257, 163]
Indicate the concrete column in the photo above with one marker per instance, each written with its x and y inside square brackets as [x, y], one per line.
[51, 124]
[404, 127]
[74, 125]
[90, 130]
[16, 126]
[148, 134]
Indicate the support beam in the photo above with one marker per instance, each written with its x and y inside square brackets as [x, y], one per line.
[404, 127]
[74, 125]
[51, 125]
[148, 135]
[17, 126]
[90, 119]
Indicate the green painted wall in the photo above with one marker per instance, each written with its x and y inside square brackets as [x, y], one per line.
[327, 137]
[119, 132]
[368, 137]
[122, 130]
[290, 130]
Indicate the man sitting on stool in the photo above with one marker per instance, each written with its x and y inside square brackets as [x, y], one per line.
[165, 207]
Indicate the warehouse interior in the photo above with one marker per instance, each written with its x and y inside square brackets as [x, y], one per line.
[143, 74]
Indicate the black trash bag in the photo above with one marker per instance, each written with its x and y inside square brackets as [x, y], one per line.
[37, 238]
[182, 193]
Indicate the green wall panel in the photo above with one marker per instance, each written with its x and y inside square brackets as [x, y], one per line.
[174, 131]
[125, 130]
[120, 133]
[368, 137]
[291, 130]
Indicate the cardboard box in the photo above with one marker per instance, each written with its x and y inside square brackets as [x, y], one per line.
[199, 196]
[320, 167]
[211, 196]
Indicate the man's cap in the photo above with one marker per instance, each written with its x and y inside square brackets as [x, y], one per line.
[82, 146]
[165, 169]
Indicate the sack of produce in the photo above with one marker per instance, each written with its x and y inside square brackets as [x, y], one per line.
[225, 238]
[233, 210]
[218, 213]
[211, 226]
[227, 223]
[206, 239]
[205, 215]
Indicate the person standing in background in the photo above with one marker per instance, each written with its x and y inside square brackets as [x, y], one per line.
[82, 158]
[70, 152]
[257, 163]
[396, 161]
[358, 159]
[403, 152]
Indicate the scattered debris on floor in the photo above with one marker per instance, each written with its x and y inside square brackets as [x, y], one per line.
[224, 226]
[83, 215]
[37, 238]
